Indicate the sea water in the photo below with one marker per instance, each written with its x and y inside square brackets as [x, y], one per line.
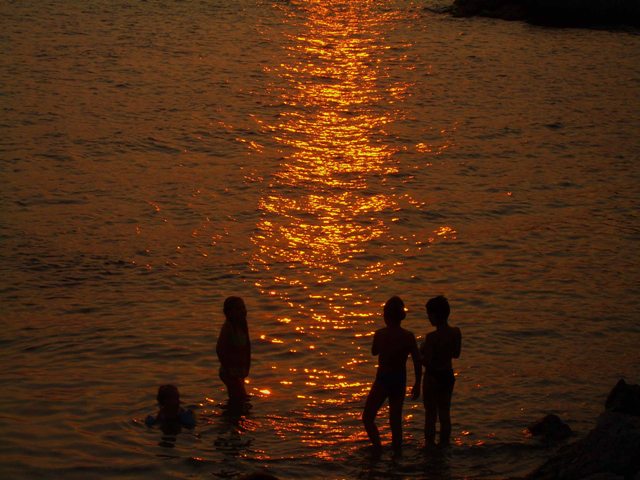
[314, 157]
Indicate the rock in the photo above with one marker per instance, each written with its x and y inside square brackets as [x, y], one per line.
[550, 427]
[560, 13]
[604, 476]
[585, 12]
[611, 449]
[504, 9]
[624, 398]
[439, 9]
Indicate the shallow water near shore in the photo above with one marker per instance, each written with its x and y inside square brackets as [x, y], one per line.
[315, 158]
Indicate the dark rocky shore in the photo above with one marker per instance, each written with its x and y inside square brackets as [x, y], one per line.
[611, 451]
[559, 13]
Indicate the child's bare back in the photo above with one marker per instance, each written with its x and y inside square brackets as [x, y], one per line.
[440, 347]
[393, 345]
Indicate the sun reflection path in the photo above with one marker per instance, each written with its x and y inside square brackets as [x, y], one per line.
[323, 206]
[328, 212]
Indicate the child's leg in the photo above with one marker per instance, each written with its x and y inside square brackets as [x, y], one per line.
[375, 399]
[444, 411]
[235, 387]
[395, 420]
[237, 390]
[431, 412]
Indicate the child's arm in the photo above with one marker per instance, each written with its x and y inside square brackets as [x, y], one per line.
[427, 350]
[187, 418]
[457, 345]
[248, 353]
[243, 353]
[417, 368]
[375, 348]
[150, 420]
[223, 344]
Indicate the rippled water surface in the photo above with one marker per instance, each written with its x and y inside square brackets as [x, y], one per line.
[314, 157]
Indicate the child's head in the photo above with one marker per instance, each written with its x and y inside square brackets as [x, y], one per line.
[234, 309]
[438, 310]
[168, 396]
[394, 311]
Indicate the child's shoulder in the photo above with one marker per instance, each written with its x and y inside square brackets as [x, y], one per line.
[408, 334]
[406, 331]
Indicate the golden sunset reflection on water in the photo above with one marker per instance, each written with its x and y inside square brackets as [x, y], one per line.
[336, 151]
[327, 212]
[331, 230]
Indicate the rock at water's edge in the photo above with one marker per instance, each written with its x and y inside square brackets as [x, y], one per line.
[577, 13]
[550, 427]
[624, 398]
[611, 449]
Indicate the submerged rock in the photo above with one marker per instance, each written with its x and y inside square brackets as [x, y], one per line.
[576, 13]
[550, 427]
[610, 450]
[624, 398]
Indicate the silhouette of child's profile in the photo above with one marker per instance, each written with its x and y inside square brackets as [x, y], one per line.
[438, 350]
[234, 349]
[393, 344]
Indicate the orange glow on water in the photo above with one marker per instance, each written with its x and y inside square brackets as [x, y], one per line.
[327, 212]
[335, 152]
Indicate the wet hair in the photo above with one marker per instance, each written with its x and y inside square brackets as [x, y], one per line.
[439, 308]
[231, 303]
[167, 392]
[394, 310]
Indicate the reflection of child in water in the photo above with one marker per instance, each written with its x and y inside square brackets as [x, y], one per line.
[234, 349]
[170, 415]
[438, 349]
[392, 344]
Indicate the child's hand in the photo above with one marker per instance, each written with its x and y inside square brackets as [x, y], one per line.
[415, 392]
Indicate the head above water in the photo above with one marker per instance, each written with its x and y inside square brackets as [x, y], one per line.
[438, 310]
[235, 310]
[168, 396]
[394, 311]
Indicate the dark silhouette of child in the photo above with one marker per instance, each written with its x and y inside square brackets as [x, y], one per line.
[234, 349]
[171, 416]
[392, 344]
[438, 349]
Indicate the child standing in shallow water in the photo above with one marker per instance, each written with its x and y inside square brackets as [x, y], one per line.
[234, 349]
[438, 349]
[392, 344]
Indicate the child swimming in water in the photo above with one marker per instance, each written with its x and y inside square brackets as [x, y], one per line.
[170, 415]
[234, 349]
[438, 349]
[393, 344]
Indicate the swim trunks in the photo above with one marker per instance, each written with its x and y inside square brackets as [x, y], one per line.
[394, 383]
[442, 379]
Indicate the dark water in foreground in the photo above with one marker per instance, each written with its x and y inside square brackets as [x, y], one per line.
[316, 158]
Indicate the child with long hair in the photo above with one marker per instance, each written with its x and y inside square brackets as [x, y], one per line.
[234, 349]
